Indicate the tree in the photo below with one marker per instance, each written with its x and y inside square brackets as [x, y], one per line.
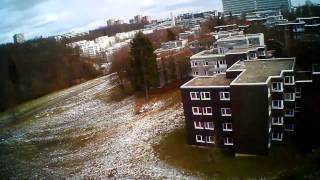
[143, 66]
[120, 63]
[171, 36]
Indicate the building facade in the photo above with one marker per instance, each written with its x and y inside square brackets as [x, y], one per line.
[240, 6]
[227, 52]
[244, 110]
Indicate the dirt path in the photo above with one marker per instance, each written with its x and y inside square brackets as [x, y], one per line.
[83, 137]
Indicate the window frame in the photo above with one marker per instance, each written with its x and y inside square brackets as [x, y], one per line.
[225, 127]
[289, 115]
[201, 137]
[194, 63]
[195, 123]
[196, 113]
[290, 129]
[197, 94]
[277, 90]
[298, 93]
[202, 94]
[205, 111]
[292, 96]
[207, 127]
[291, 80]
[279, 119]
[224, 110]
[210, 140]
[223, 96]
[277, 107]
[279, 136]
[227, 142]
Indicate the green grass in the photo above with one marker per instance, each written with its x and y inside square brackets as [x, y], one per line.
[27, 106]
[282, 162]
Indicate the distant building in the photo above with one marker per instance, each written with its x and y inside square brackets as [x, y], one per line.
[240, 6]
[146, 19]
[138, 19]
[18, 38]
[120, 21]
[111, 22]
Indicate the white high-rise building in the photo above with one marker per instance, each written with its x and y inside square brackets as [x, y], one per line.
[239, 6]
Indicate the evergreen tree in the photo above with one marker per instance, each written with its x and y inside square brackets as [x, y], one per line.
[143, 70]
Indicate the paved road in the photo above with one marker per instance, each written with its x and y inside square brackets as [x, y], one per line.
[78, 136]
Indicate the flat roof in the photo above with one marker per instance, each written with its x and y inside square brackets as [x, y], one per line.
[244, 50]
[207, 54]
[208, 81]
[258, 71]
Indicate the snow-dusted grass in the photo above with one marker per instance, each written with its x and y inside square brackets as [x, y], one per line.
[85, 137]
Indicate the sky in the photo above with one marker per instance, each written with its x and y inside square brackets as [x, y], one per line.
[53, 17]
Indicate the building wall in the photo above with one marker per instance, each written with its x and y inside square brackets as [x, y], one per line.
[250, 118]
[238, 6]
[216, 117]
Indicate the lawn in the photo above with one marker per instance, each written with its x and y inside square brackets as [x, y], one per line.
[282, 163]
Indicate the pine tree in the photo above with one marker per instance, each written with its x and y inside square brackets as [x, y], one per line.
[143, 66]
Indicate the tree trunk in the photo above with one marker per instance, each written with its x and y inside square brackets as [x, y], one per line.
[147, 92]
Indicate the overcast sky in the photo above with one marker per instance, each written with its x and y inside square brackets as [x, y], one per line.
[51, 17]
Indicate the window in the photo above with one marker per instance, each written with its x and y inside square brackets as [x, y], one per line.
[205, 96]
[194, 63]
[225, 111]
[195, 73]
[206, 73]
[194, 96]
[210, 139]
[224, 96]
[277, 87]
[277, 104]
[196, 111]
[289, 96]
[277, 120]
[289, 80]
[253, 55]
[228, 141]
[208, 125]
[227, 126]
[289, 127]
[199, 139]
[206, 63]
[207, 111]
[298, 92]
[198, 125]
[276, 136]
[289, 112]
[222, 62]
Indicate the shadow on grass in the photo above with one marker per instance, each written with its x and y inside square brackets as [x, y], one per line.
[282, 163]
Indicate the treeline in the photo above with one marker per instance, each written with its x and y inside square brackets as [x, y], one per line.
[106, 31]
[38, 67]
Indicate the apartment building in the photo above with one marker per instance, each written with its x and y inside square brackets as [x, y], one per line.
[255, 104]
[171, 46]
[240, 6]
[228, 51]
